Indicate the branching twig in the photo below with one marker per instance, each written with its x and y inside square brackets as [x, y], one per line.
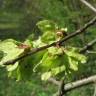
[77, 84]
[73, 85]
[35, 50]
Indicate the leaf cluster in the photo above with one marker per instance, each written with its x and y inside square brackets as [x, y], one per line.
[49, 62]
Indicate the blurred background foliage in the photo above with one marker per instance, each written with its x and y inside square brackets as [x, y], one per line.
[18, 20]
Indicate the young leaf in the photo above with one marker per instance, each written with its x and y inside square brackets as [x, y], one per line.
[78, 56]
[25, 68]
[50, 61]
[55, 51]
[28, 42]
[57, 70]
[46, 26]
[38, 43]
[48, 37]
[73, 63]
[45, 76]
[10, 50]
[12, 67]
[54, 71]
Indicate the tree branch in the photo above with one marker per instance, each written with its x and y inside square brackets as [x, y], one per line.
[35, 50]
[88, 5]
[70, 86]
[61, 90]
[54, 81]
[77, 84]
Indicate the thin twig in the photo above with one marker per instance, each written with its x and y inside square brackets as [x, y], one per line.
[88, 46]
[91, 52]
[35, 50]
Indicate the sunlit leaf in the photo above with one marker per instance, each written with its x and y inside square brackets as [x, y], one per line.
[10, 50]
[47, 25]
[55, 51]
[78, 56]
[45, 76]
[73, 63]
[50, 61]
[48, 37]
[1, 55]
[57, 70]
[38, 43]
[12, 67]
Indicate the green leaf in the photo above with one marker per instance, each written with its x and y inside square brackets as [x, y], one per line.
[78, 56]
[55, 51]
[73, 63]
[50, 61]
[46, 26]
[28, 42]
[38, 43]
[46, 62]
[54, 71]
[12, 67]
[48, 37]
[45, 76]
[25, 68]
[10, 50]
[49, 30]
[57, 70]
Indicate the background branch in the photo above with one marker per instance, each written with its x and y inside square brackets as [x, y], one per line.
[61, 90]
[79, 83]
[88, 5]
[88, 46]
